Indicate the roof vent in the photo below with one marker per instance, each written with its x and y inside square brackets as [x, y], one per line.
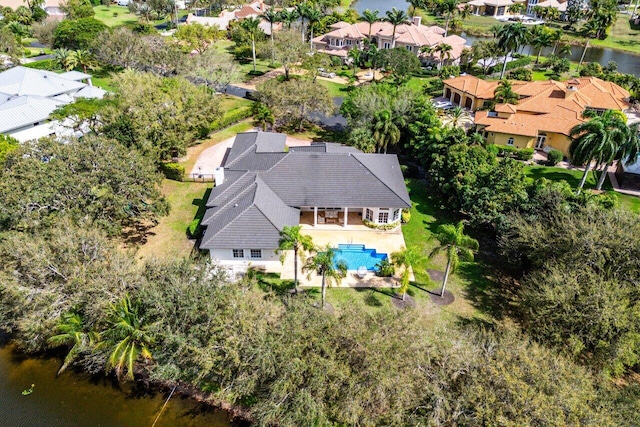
[235, 206]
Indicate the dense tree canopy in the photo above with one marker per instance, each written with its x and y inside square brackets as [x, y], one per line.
[95, 182]
[77, 34]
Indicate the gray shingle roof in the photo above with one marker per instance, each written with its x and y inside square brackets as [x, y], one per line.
[337, 180]
[252, 219]
[264, 185]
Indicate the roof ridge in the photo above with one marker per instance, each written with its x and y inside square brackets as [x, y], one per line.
[356, 155]
[259, 208]
[225, 190]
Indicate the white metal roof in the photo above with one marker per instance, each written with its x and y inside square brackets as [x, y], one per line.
[26, 81]
[24, 111]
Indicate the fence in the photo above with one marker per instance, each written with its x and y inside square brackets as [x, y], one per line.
[200, 177]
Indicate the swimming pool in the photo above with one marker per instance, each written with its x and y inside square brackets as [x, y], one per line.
[356, 256]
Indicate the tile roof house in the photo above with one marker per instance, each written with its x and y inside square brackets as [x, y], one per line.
[263, 187]
[545, 112]
[29, 96]
[492, 7]
[413, 37]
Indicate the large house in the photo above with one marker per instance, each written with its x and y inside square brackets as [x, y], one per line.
[29, 96]
[254, 9]
[52, 7]
[544, 114]
[412, 36]
[264, 186]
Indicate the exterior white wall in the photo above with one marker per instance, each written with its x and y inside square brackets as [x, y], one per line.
[270, 261]
[376, 215]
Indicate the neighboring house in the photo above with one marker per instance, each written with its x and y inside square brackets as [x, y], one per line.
[29, 96]
[264, 187]
[545, 113]
[52, 7]
[492, 7]
[222, 21]
[413, 37]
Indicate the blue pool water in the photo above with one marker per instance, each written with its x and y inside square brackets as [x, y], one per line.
[358, 256]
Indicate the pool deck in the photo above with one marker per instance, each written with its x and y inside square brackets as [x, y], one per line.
[388, 241]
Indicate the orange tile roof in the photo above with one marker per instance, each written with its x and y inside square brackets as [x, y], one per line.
[547, 106]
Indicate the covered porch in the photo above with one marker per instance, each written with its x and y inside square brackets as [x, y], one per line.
[347, 216]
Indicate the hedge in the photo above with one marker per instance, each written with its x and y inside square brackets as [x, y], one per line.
[512, 152]
[174, 171]
[231, 118]
[517, 63]
[554, 157]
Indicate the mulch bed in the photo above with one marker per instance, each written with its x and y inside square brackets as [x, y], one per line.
[447, 299]
[403, 304]
[436, 275]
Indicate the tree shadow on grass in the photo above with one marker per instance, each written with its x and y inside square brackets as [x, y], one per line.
[271, 282]
[429, 205]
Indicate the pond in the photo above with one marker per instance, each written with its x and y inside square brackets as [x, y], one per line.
[627, 62]
[78, 400]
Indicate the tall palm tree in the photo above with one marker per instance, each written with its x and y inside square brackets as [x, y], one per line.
[628, 150]
[292, 239]
[554, 37]
[385, 131]
[447, 8]
[406, 258]
[458, 246]
[72, 332]
[288, 17]
[313, 16]
[252, 27]
[595, 139]
[510, 38]
[541, 37]
[272, 17]
[303, 12]
[84, 59]
[127, 337]
[323, 263]
[444, 50]
[504, 94]
[370, 18]
[395, 17]
[457, 117]
[355, 54]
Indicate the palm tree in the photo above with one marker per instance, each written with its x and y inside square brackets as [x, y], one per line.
[292, 239]
[457, 117]
[252, 27]
[84, 58]
[510, 38]
[541, 38]
[444, 50]
[395, 17]
[406, 258]
[448, 8]
[459, 247]
[303, 12]
[628, 150]
[127, 336]
[323, 263]
[554, 37]
[370, 18]
[60, 56]
[517, 8]
[385, 131]
[288, 17]
[313, 15]
[71, 332]
[272, 17]
[595, 139]
[504, 94]
[355, 54]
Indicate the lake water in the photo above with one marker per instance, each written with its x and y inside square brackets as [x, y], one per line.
[627, 63]
[78, 400]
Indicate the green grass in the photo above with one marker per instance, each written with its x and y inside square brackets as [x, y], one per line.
[335, 89]
[103, 83]
[622, 36]
[105, 14]
[574, 176]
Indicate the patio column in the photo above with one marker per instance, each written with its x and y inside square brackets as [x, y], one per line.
[315, 216]
[346, 215]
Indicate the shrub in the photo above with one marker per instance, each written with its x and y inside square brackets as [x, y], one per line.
[384, 268]
[523, 74]
[525, 154]
[449, 71]
[406, 216]
[511, 152]
[520, 62]
[591, 69]
[77, 34]
[554, 157]
[375, 226]
[174, 171]
[194, 230]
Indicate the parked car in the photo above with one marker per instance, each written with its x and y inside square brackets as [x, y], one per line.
[324, 73]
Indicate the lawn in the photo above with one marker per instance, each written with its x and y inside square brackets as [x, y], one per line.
[335, 89]
[622, 36]
[574, 176]
[122, 15]
[230, 104]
